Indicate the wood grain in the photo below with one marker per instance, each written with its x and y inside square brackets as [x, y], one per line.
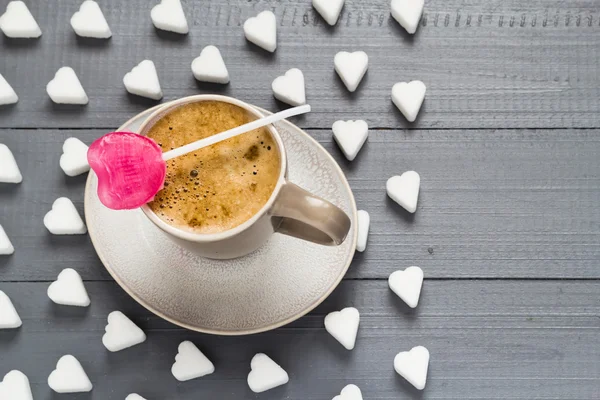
[493, 64]
[487, 339]
[493, 204]
[507, 229]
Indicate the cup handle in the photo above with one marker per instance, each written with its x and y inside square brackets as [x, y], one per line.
[308, 217]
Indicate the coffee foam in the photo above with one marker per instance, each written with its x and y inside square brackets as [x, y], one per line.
[216, 188]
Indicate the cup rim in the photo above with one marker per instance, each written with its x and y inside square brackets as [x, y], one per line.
[213, 237]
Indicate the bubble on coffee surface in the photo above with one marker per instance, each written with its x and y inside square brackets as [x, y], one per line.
[219, 187]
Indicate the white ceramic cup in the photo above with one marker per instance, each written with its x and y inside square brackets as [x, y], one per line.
[290, 210]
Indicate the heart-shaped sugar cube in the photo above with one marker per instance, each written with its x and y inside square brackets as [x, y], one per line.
[210, 67]
[9, 318]
[329, 9]
[68, 289]
[121, 332]
[262, 30]
[265, 374]
[73, 160]
[143, 81]
[407, 285]
[343, 326]
[15, 386]
[7, 93]
[17, 21]
[190, 363]
[69, 376]
[404, 190]
[134, 396]
[9, 170]
[65, 88]
[364, 221]
[89, 21]
[6, 247]
[413, 365]
[289, 88]
[408, 13]
[351, 67]
[350, 136]
[408, 97]
[129, 167]
[64, 219]
[168, 15]
[350, 392]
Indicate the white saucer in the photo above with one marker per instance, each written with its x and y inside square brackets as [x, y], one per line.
[271, 287]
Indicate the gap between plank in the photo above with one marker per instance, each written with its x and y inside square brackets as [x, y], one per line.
[395, 128]
[367, 279]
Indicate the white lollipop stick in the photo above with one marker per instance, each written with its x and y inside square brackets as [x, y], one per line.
[259, 123]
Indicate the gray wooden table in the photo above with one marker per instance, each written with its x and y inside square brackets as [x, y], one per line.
[507, 230]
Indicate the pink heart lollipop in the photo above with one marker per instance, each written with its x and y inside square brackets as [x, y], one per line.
[131, 168]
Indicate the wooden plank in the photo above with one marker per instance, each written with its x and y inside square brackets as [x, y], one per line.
[493, 64]
[487, 339]
[493, 204]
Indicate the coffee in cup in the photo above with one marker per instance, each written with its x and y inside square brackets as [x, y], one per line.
[219, 187]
